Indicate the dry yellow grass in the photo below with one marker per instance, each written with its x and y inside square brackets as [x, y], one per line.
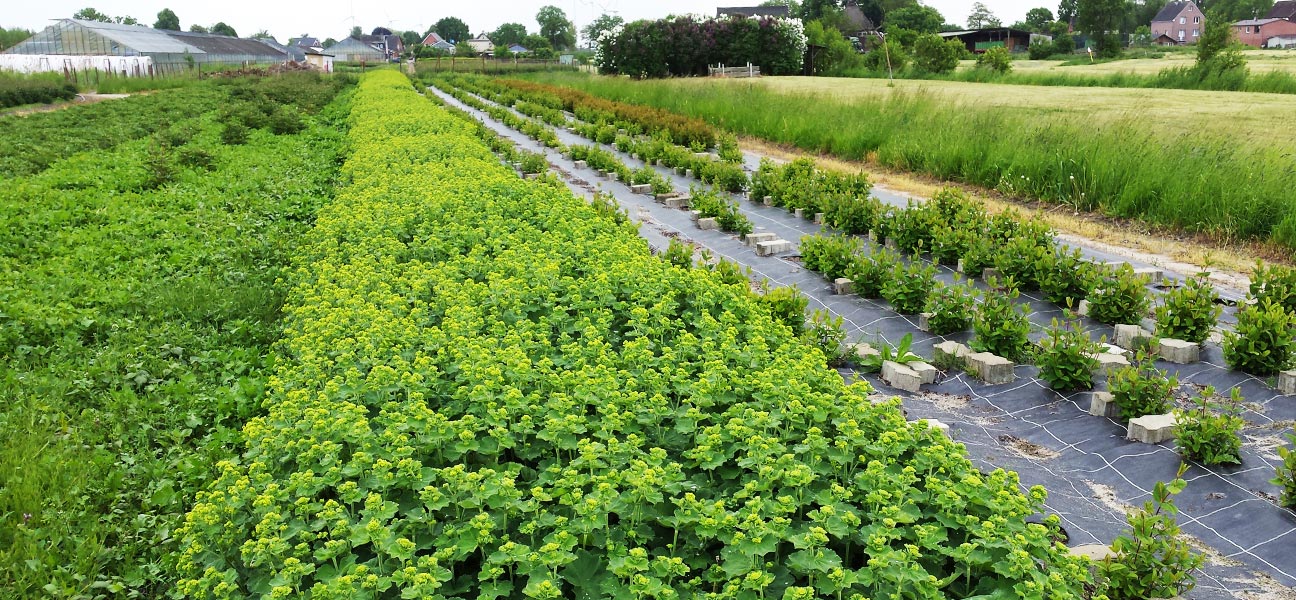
[1249, 117]
[1259, 61]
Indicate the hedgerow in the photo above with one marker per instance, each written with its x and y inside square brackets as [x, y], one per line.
[488, 389]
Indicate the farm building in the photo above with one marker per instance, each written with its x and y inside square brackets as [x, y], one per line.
[980, 40]
[1180, 20]
[482, 45]
[1283, 9]
[1258, 32]
[76, 38]
[354, 50]
[319, 60]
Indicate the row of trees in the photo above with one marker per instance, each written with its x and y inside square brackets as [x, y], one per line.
[166, 19]
[556, 30]
[683, 46]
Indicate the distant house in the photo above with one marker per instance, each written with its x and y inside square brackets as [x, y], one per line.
[980, 40]
[432, 38]
[319, 60]
[753, 11]
[858, 25]
[1283, 9]
[518, 49]
[482, 45]
[1257, 33]
[391, 45]
[443, 46]
[1165, 40]
[1180, 20]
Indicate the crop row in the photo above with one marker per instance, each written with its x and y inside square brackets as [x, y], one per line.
[18, 90]
[138, 304]
[492, 388]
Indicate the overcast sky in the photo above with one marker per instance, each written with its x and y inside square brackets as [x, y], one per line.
[334, 18]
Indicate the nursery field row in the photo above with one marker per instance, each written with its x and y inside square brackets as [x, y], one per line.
[494, 388]
[139, 299]
[1120, 167]
[1092, 431]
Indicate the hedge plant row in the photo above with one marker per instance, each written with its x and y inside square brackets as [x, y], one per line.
[488, 388]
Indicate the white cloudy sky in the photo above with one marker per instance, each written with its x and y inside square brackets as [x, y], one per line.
[333, 18]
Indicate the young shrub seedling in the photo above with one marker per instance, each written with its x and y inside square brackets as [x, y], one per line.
[1119, 296]
[1188, 312]
[1209, 436]
[870, 273]
[1142, 389]
[1001, 326]
[1065, 357]
[951, 308]
[788, 307]
[1261, 343]
[826, 332]
[908, 287]
[1285, 474]
[1275, 283]
[1152, 561]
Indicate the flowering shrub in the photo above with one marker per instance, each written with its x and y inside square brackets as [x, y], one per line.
[487, 389]
[685, 45]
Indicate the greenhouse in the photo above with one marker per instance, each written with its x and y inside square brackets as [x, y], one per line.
[74, 37]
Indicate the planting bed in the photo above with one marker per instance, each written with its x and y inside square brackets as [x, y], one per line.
[1048, 437]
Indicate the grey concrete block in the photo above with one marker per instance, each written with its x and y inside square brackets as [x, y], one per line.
[708, 223]
[949, 351]
[959, 266]
[819, 219]
[1093, 552]
[874, 236]
[580, 164]
[1128, 336]
[924, 321]
[1102, 405]
[678, 202]
[799, 212]
[926, 372]
[937, 425]
[695, 215]
[768, 200]
[900, 376]
[752, 239]
[842, 285]
[688, 172]
[990, 368]
[1083, 309]
[1179, 352]
[864, 351]
[1151, 429]
[1287, 383]
[891, 244]
[663, 197]
[773, 247]
[989, 273]
[530, 176]
[643, 188]
[1153, 274]
[1108, 362]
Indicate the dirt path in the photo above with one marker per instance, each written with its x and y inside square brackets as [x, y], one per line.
[81, 99]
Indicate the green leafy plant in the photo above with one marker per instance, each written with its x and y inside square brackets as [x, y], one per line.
[1142, 389]
[1151, 560]
[951, 308]
[1188, 312]
[1001, 326]
[996, 59]
[788, 306]
[979, 254]
[1275, 283]
[901, 353]
[1210, 434]
[1285, 474]
[679, 254]
[1065, 357]
[1064, 277]
[533, 162]
[869, 273]
[831, 255]
[1261, 343]
[908, 287]
[1119, 296]
[826, 333]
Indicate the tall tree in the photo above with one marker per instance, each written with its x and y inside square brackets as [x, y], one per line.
[1236, 10]
[264, 34]
[410, 38]
[538, 46]
[793, 6]
[11, 37]
[1067, 11]
[555, 27]
[508, 34]
[328, 43]
[168, 20]
[982, 18]
[603, 23]
[1039, 19]
[126, 20]
[90, 14]
[1101, 20]
[452, 29]
[923, 19]
[222, 29]
[813, 10]
[356, 31]
[196, 28]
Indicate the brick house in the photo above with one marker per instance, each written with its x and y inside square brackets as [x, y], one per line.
[1283, 9]
[1257, 32]
[1180, 20]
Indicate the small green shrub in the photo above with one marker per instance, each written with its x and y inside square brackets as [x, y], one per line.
[1063, 277]
[1065, 357]
[868, 274]
[1020, 258]
[1188, 312]
[950, 242]
[826, 332]
[828, 254]
[996, 59]
[788, 306]
[912, 228]
[1275, 283]
[1285, 474]
[158, 166]
[1261, 342]
[731, 273]
[285, 120]
[951, 308]
[908, 287]
[679, 254]
[1119, 297]
[1151, 561]
[195, 158]
[850, 214]
[935, 54]
[533, 162]
[1209, 436]
[979, 254]
[1001, 326]
[1142, 389]
[900, 354]
[234, 133]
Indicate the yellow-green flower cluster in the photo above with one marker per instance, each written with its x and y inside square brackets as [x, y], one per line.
[489, 388]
